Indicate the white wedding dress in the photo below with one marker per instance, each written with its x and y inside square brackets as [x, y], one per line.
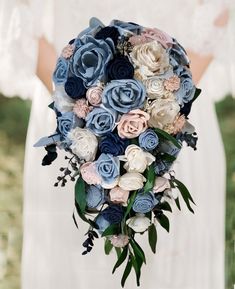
[192, 255]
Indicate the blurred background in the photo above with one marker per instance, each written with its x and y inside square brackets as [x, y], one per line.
[14, 115]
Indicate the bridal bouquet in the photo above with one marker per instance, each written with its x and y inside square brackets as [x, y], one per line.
[122, 98]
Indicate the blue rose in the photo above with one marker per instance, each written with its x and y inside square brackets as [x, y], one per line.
[144, 202]
[102, 223]
[112, 144]
[74, 87]
[124, 95]
[178, 55]
[108, 168]
[169, 148]
[94, 196]
[60, 74]
[161, 167]
[187, 88]
[113, 214]
[148, 140]
[120, 68]
[101, 121]
[108, 32]
[66, 122]
[90, 59]
[124, 26]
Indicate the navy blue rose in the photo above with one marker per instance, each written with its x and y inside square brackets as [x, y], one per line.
[124, 95]
[169, 148]
[144, 202]
[187, 88]
[74, 87]
[90, 59]
[66, 122]
[60, 74]
[101, 121]
[161, 167]
[94, 196]
[120, 68]
[108, 168]
[112, 144]
[108, 32]
[113, 214]
[148, 140]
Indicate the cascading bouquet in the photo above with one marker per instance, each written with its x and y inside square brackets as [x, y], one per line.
[122, 98]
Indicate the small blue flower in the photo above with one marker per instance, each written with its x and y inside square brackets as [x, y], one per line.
[148, 140]
[60, 74]
[108, 168]
[102, 223]
[144, 202]
[124, 95]
[101, 121]
[94, 196]
[90, 59]
[112, 144]
[66, 122]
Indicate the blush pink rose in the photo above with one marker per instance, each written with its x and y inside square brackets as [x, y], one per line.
[81, 108]
[119, 241]
[159, 35]
[67, 51]
[94, 94]
[118, 195]
[133, 123]
[89, 174]
[138, 39]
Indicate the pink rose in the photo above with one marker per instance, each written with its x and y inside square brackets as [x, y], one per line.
[67, 51]
[133, 123]
[89, 174]
[119, 241]
[138, 39]
[81, 108]
[156, 34]
[118, 195]
[161, 184]
[94, 94]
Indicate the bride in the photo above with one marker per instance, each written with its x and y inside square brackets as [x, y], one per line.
[32, 34]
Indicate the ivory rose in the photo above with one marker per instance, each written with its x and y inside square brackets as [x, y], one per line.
[139, 223]
[131, 181]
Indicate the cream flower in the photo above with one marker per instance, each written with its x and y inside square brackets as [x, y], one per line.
[150, 59]
[119, 241]
[162, 113]
[131, 181]
[154, 87]
[137, 160]
[84, 143]
[139, 223]
[161, 184]
[118, 195]
[62, 101]
[110, 185]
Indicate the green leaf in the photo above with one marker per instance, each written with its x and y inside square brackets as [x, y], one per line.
[137, 267]
[118, 251]
[75, 221]
[121, 259]
[168, 158]
[197, 93]
[166, 207]
[126, 272]
[150, 179]
[51, 105]
[177, 201]
[111, 230]
[185, 194]
[80, 194]
[167, 136]
[138, 250]
[152, 237]
[130, 203]
[164, 222]
[107, 246]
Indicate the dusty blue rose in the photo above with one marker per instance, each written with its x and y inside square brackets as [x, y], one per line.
[94, 196]
[187, 88]
[178, 55]
[124, 95]
[90, 59]
[144, 202]
[102, 223]
[126, 26]
[94, 26]
[108, 168]
[60, 74]
[148, 140]
[66, 122]
[101, 121]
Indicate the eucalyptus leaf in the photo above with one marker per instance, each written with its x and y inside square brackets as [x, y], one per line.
[80, 194]
[107, 246]
[167, 136]
[75, 221]
[136, 267]
[152, 237]
[121, 258]
[150, 179]
[166, 207]
[118, 251]
[138, 250]
[126, 273]
[197, 93]
[177, 201]
[164, 222]
[129, 206]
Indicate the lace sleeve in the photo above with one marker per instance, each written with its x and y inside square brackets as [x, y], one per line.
[20, 28]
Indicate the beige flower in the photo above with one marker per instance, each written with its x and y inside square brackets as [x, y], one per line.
[139, 223]
[119, 241]
[94, 94]
[150, 59]
[118, 195]
[154, 87]
[81, 108]
[84, 143]
[162, 113]
[131, 181]
[137, 160]
[161, 184]
[133, 123]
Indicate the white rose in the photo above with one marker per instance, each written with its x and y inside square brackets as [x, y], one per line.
[110, 186]
[162, 113]
[131, 181]
[139, 223]
[62, 101]
[84, 143]
[150, 59]
[137, 160]
[154, 87]
[161, 184]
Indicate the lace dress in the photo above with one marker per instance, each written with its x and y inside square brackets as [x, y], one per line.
[192, 255]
